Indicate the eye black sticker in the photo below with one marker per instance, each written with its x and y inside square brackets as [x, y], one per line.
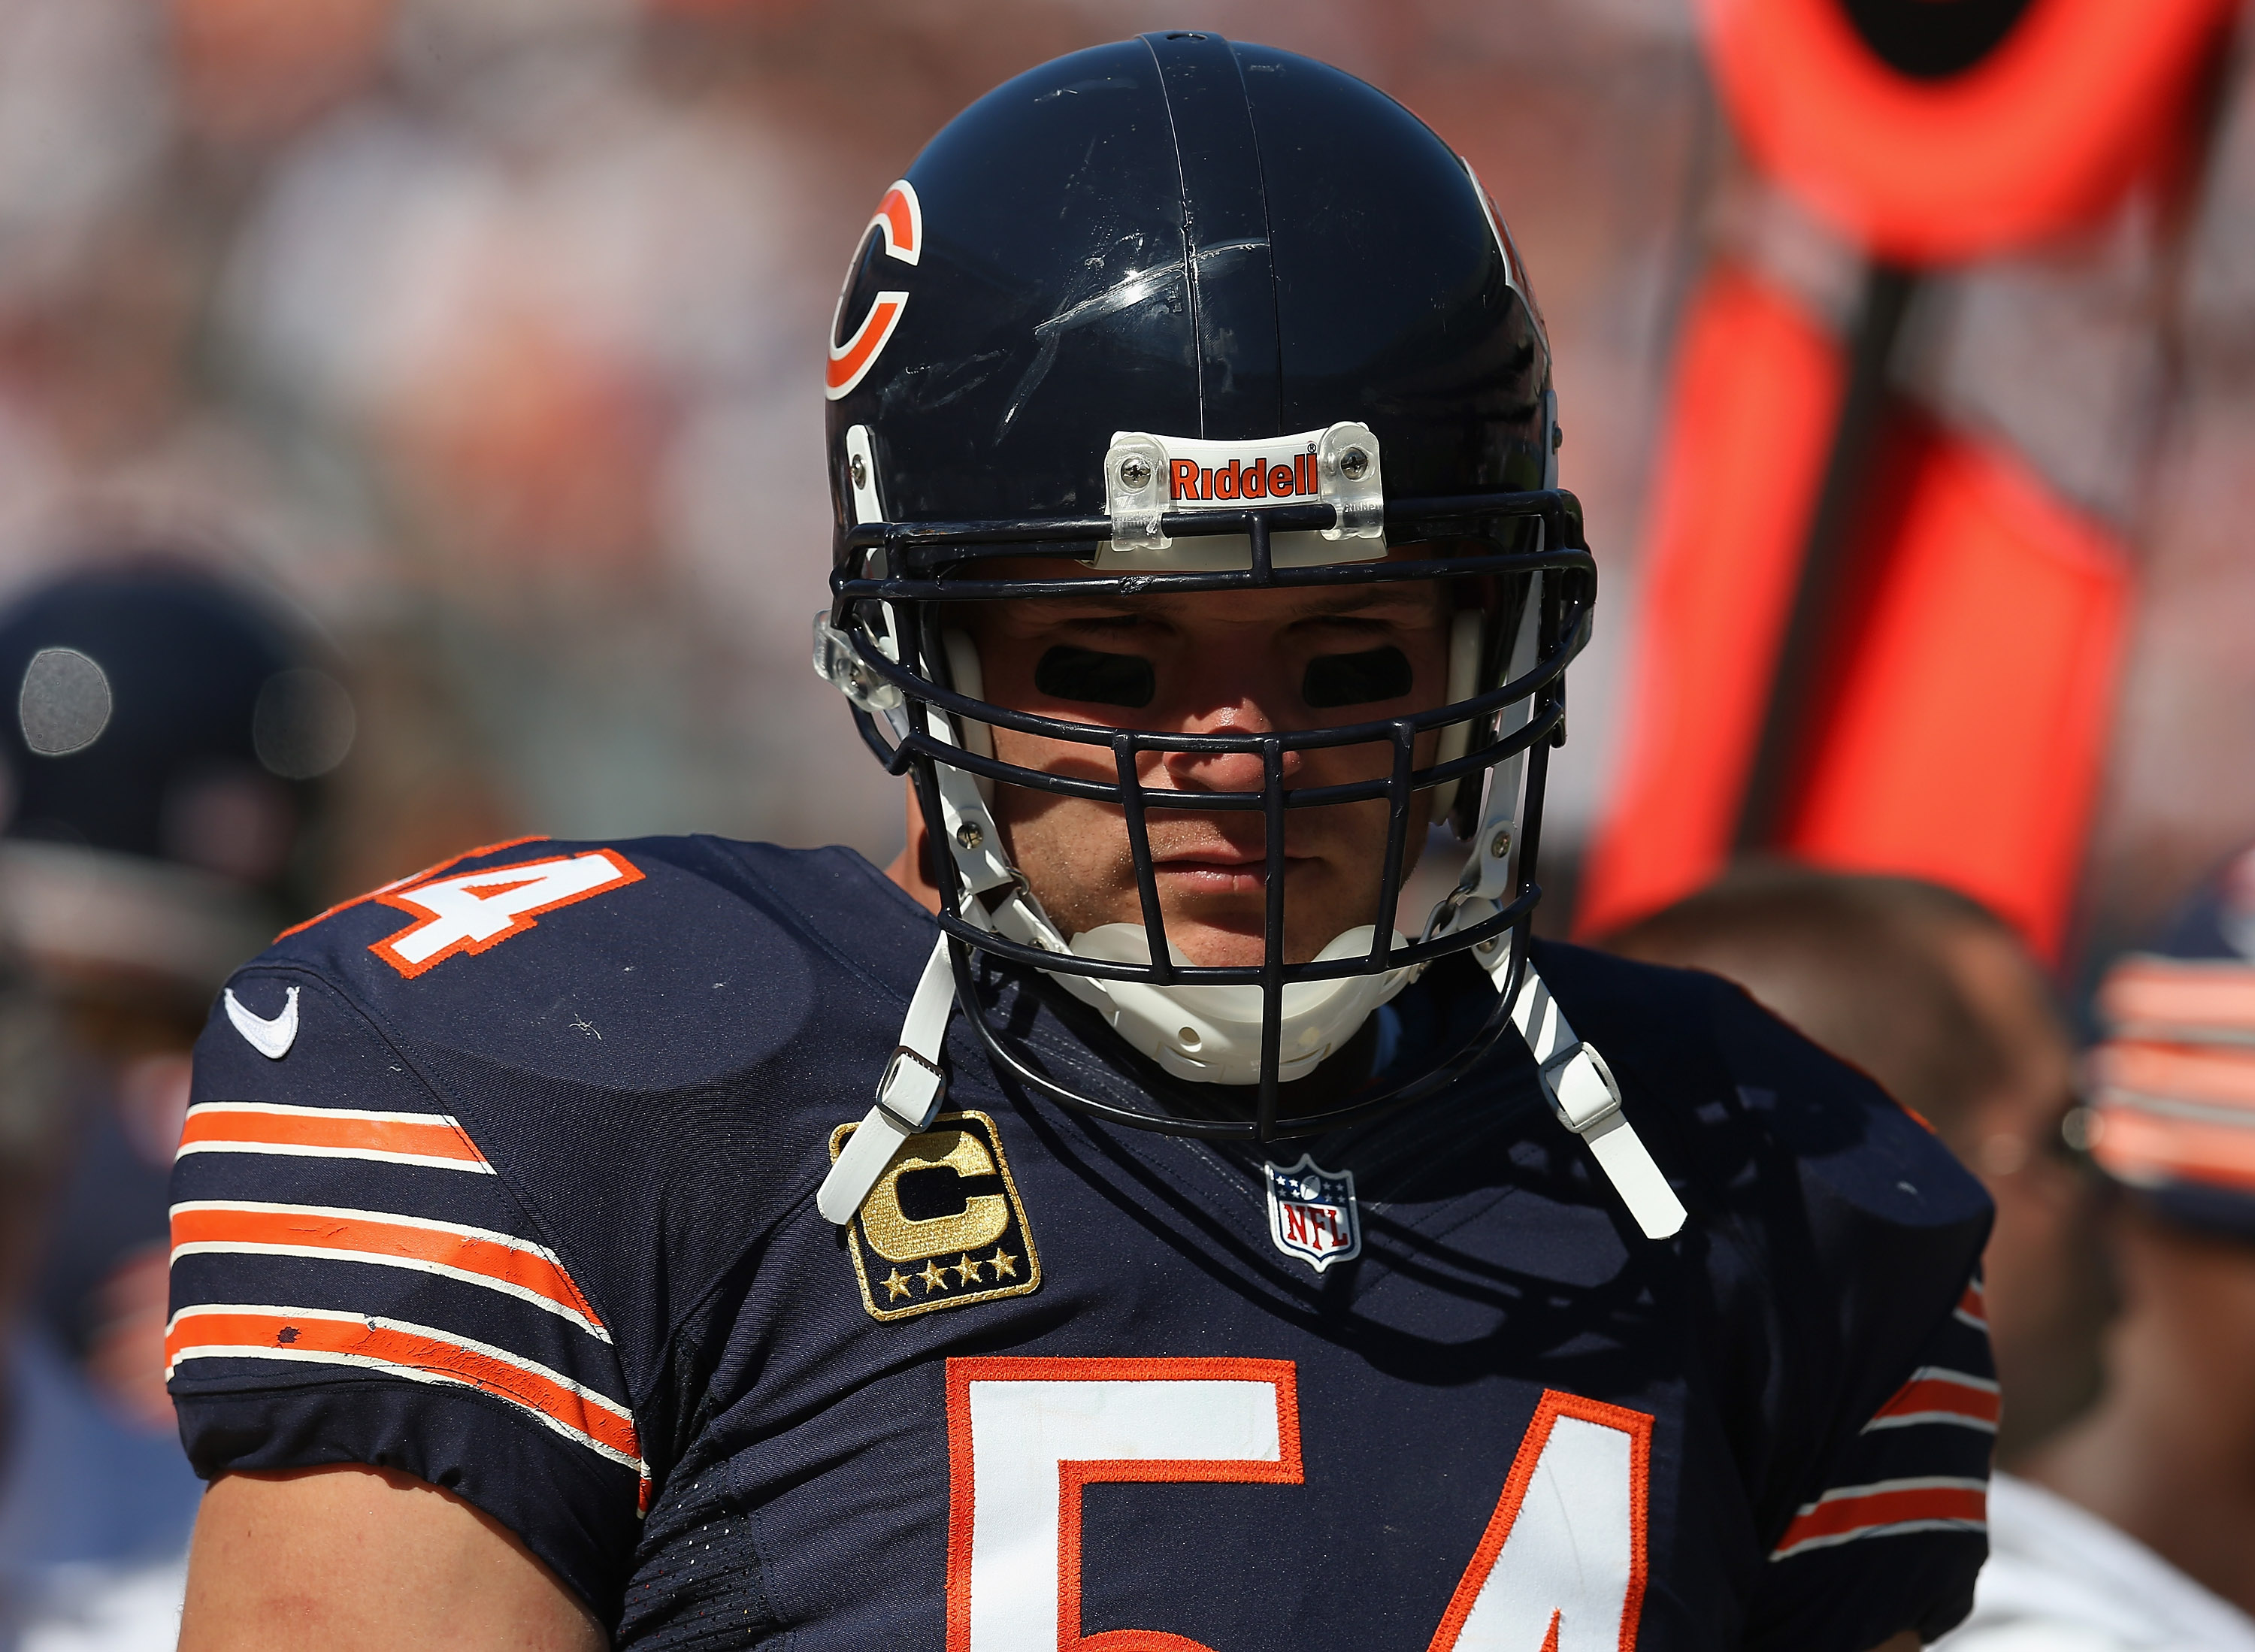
[1356, 679]
[1102, 679]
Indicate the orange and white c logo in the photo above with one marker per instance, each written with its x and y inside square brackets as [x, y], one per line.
[899, 221]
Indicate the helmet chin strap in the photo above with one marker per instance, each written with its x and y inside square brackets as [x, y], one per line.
[1581, 1087]
[1212, 1034]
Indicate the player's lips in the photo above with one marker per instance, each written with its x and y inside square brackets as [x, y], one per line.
[1223, 870]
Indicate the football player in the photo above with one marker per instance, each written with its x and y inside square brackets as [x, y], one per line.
[1936, 997]
[164, 769]
[1229, 1258]
[2133, 1528]
[163, 747]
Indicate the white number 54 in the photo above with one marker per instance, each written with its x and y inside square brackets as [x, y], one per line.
[1560, 1568]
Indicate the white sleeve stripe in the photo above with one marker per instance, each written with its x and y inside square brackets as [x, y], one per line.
[358, 1115]
[345, 1213]
[1958, 1379]
[326, 1253]
[1908, 1419]
[316, 1356]
[409, 1327]
[290, 1149]
[1908, 1483]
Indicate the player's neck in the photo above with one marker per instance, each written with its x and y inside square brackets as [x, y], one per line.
[2168, 1455]
[908, 868]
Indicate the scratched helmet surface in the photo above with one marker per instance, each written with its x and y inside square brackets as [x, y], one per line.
[1182, 314]
[1185, 233]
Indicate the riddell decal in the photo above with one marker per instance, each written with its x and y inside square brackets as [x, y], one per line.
[1292, 477]
[1148, 477]
[1189, 472]
[898, 223]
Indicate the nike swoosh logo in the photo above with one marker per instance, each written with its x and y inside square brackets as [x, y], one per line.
[271, 1038]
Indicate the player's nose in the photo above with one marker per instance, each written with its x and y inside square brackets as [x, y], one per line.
[1226, 771]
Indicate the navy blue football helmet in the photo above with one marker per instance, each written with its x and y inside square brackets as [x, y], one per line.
[164, 747]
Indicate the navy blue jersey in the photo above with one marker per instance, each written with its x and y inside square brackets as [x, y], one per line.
[504, 1176]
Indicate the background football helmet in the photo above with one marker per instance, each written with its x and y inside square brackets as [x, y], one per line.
[165, 757]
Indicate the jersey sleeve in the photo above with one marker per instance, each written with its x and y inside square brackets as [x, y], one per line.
[1890, 1534]
[353, 1282]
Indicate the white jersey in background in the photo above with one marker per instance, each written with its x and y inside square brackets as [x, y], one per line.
[2061, 1579]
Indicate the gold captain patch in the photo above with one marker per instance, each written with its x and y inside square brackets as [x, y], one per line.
[943, 1226]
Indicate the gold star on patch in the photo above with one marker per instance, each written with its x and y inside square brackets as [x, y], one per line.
[895, 1286]
[1004, 1264]
[965, 1270]
[933, 1279]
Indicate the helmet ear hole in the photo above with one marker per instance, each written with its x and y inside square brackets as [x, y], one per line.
[1464, 637]
[966, 678]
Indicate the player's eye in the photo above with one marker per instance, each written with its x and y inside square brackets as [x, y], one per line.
[1103, 679]
[1356, 679]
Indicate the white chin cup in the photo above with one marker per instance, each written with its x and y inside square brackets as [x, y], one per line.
[1212, 1035]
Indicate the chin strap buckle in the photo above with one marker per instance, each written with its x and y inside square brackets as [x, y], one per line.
[908, 1096]
[1587, 1100]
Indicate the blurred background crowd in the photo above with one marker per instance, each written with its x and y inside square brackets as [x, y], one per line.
[446, 371]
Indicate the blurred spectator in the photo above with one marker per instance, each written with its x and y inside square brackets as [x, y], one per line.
[1936, 999]
[162, 744]
[162, 769]
[93, 1514]
[2136, 1527]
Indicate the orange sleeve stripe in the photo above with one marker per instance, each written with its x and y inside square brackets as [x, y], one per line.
[2145, 1148]
[2156, 991]
[218, 1126]
[525, 1268]
[1940, 1394]
[413, 1350]
[2215, 1075]
[1843, 1515]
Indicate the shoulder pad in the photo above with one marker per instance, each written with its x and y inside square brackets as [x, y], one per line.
[650, 963]
[1736, 1084]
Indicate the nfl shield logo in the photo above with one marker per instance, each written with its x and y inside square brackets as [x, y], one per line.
[1311, 1213]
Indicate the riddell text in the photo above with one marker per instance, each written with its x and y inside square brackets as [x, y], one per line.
[1244, 479]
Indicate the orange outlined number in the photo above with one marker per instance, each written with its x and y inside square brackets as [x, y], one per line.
[1025, 1437]
[472, 911]
[1561, 1567]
